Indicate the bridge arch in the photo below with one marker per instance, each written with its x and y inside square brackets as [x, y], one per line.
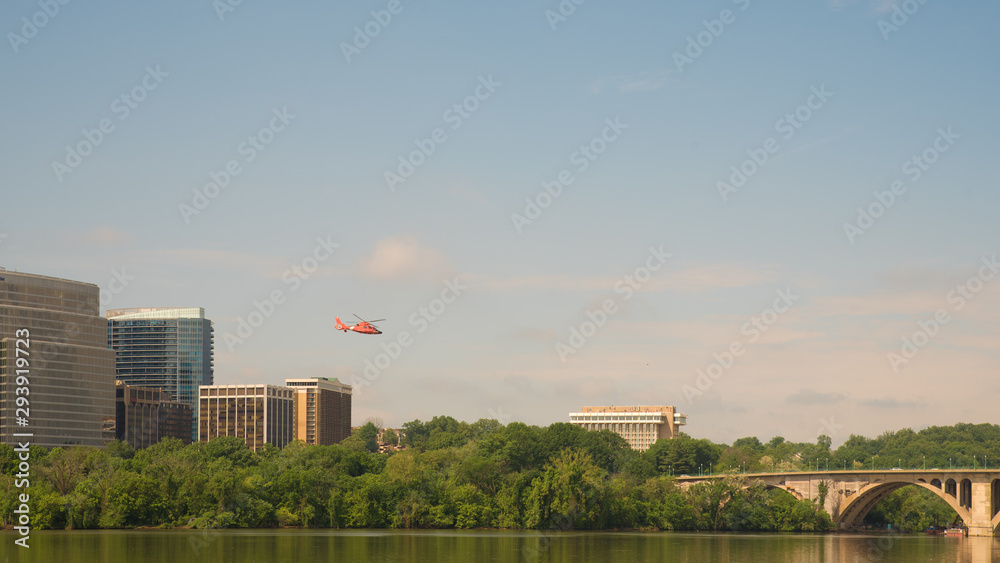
[853, 512]
[783, 487]
[995, 503]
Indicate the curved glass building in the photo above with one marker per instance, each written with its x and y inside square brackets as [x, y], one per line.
[165, 348]
[70, 370]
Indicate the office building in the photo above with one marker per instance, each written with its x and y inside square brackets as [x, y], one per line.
[641, 426]
[257, 413]
[70, 387]
[146, 415]
[322, 410]
[165, 348]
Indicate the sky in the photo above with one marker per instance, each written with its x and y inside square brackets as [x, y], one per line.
[776, 216]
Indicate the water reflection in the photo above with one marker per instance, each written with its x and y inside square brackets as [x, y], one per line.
[302, 546]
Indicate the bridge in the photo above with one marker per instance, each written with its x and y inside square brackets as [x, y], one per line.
[973, 493]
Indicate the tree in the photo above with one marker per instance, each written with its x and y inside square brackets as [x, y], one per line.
[566, 495]
[390, 437]
[683, 455]
[369, 435]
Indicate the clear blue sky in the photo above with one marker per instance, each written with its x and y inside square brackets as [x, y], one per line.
[207, 83]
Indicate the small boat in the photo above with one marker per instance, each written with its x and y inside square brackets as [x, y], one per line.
[955, 532]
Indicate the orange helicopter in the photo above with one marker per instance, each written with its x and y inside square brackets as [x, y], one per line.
[364, 327]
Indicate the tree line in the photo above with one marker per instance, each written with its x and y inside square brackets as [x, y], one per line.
[454, 474]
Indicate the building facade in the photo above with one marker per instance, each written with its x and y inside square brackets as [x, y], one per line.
[257, 413]
[67, 373]
[641, 426]
[322, 410]
[165, 348]
[146, 415]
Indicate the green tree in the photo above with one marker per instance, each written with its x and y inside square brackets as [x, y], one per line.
[390, 437]
[566, 495]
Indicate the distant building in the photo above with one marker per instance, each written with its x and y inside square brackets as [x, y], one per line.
[146, 415]
[322, 410]
[166, 348]
[257, 413]
[641, 426]
[68, 372]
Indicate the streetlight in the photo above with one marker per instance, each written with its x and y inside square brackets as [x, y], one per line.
[973, 463]
[873, 463]
[949, 463]
[925, 462]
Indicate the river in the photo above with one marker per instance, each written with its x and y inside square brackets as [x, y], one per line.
[342, 546]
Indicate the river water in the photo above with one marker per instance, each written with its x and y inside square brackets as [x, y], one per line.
[343, 546]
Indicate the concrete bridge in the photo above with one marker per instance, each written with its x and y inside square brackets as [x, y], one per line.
[973, 493]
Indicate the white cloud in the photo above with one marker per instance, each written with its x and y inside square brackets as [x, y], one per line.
[401, 258]
[104, 236]
[697, 278]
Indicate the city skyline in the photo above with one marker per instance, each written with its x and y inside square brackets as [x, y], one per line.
[774, 217]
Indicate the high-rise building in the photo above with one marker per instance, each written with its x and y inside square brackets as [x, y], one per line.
[165, 348]
[145, 415]
[257, 413]
[60, 386]
[641, 426]
[322, 410]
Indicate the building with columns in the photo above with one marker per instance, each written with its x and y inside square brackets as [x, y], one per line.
[260, 414]
[641, 426]
[322, 410]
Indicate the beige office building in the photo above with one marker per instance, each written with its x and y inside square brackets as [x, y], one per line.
[322, 410]
[260, 414]
[67, 373]
[641, 426]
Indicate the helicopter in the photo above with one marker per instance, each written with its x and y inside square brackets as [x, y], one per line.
[364, 327]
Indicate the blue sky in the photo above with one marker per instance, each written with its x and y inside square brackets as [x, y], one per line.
[493, 351]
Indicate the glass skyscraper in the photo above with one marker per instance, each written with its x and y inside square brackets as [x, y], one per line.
[166, 348]
[57, 376]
